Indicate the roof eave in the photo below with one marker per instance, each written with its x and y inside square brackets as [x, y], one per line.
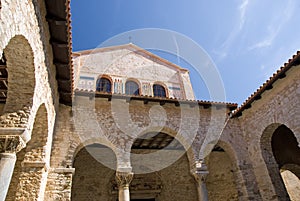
[59, 20]
[268, 85]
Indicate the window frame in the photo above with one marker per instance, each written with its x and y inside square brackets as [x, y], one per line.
[162, 90]
[128, 91]
[108, 89]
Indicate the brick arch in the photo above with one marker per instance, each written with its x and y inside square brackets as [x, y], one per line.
[270, 161]
[32, 162]
[40, 141]
[105, 76]
[237, 150]
[92, 176]
[232, 154]
[223, 169]
[75, 148]
[26, 86]
[266, 137]
[29, 42]
[21, 74]
[293, 126]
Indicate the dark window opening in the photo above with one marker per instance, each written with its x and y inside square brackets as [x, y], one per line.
[132, 88]
[104, 85]
[159, 91]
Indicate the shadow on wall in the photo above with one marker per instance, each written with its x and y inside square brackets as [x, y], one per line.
[282, 157]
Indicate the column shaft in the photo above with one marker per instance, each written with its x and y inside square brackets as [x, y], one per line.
[200, 173]
[202, 191]
[124, 194]
[7, 164]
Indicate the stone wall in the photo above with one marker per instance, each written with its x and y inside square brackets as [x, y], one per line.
[220, 181]
[177, 182]
[32, 93]
[25, 39]
[236, 148]
[59, 184]
[116, 123]
[32, 104]
[92, 179]
[278, 106]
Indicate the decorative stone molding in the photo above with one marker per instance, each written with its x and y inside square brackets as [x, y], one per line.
[124, 179]
[35, 164]
[11, 143]
[141, 184]
[200, 171]
[63, 170]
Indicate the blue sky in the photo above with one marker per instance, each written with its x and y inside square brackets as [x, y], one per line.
[247, 40]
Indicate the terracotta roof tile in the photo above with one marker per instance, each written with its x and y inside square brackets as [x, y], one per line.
[279, 74]
[90, 93]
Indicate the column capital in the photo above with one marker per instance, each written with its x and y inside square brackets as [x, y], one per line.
[200, 171]
[11, 143]
[124, 178]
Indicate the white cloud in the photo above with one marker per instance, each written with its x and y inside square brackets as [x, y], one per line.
[242, 9]
[276, 26]
[177, 48]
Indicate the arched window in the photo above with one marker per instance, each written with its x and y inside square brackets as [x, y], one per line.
[159, 91]
[132, 88]
[104, 85]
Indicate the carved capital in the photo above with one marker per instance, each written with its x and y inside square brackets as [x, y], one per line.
[200, 171]
[11, 143]
[124, 179]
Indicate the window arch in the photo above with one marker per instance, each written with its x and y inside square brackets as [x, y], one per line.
[103, 85]
[132, 88]
[159, 90]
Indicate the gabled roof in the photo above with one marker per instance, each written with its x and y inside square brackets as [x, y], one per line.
[59, 20]
[268, 85]
[133, 48]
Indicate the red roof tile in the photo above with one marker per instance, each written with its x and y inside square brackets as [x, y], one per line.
[230, 106]
[279, 74]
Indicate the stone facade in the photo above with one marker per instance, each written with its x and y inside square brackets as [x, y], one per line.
[107, 145]
[129, 62]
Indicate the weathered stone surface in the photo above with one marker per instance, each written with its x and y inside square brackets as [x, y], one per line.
[242, 165]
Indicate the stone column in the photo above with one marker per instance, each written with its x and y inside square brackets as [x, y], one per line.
[124, 179]
[9, 146]
[200, 173]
